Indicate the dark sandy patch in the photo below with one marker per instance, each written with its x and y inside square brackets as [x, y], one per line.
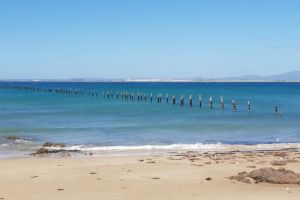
[282, 162]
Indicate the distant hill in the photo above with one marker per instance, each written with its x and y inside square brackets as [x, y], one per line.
[288, 76]
[293, 76]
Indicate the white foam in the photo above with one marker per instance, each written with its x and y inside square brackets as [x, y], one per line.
[197, 146]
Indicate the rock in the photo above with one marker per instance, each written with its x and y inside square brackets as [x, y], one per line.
[44, 151]
[57, 145]
[241, 177]
[208, 179]
[41, 151]
[269, 175]
[12, 138]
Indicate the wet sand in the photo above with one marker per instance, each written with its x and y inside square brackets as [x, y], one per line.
[188, 175]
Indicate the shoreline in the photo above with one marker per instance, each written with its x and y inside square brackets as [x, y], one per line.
[181, 175]
[12, 149]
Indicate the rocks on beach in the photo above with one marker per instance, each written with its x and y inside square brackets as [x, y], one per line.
[56, 145]
[45, 149]
[268, 175]
[41, 151]
[12, 138]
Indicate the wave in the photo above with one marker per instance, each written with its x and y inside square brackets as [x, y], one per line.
[195, 147]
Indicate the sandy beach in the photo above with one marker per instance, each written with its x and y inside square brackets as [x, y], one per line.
[188, 175]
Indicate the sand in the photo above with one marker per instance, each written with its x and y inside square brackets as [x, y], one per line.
[179, 176]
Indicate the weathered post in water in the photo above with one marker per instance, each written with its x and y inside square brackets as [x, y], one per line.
[276, 109]
[167, 98]
[249, 106]
[181, 100]
[200, 100]
[234, 106]
[210, 102]
[222, 103]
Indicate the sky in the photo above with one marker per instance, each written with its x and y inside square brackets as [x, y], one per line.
[58, 39]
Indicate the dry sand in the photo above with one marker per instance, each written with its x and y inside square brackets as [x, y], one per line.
[179, 176]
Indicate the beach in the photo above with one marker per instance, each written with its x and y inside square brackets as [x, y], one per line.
[149, 100]
[180, 175]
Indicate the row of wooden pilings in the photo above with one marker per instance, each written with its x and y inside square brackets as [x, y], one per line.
[131, 96]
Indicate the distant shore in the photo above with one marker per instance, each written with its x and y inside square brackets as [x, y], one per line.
[148, 81]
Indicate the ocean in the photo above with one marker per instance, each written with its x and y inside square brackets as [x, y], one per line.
[94, 122]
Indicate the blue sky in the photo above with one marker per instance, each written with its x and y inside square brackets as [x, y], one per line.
[154, 38]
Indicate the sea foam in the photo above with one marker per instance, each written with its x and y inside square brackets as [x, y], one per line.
[196, 147]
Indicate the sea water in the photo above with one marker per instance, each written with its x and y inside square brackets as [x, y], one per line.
[99, 123]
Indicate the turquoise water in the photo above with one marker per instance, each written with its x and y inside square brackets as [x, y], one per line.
[98, 121]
